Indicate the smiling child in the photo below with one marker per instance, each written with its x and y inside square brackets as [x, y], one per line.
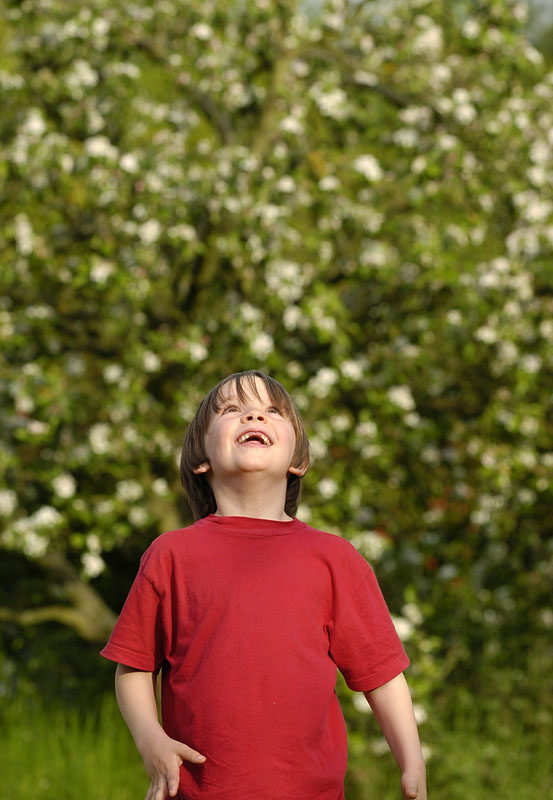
[248, 613]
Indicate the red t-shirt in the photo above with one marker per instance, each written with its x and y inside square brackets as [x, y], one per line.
[249, 619]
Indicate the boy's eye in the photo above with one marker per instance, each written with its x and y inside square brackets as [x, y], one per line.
[229, 408]
[273, 410]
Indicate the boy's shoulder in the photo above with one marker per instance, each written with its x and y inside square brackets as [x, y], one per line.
[330, 542]
[168, 542]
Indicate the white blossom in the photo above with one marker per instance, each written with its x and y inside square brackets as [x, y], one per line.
[405, 137]
[404, 627]
[447, 142]
[127, 491]
[100, 271]
[368, 166]
[292, 317]
[129, 162]
[379, 746]
[261, 345]
[124, 68]
[64, 485]
[24, 238]
[250, 313]
[40, 311]
[370, 544]
[46, 517]
[24, 404]
[101, 147]
[37, 427]
[360, 703]
[93, 543]
[99, 438]
[367, 428]
[93, 564]
[81, 76]
[416, 115]
[365, 78]
[537, 175]
[202, 31]
[34, 545]
[8, 502]
[285, 278]
[540, 152]
[328, 487]
[465, 113]
[430, 42]
[100, 26]
[486, 334]
[138, 516]
[160, 487]
[322, 381]
[197, 351]
[292, 124]
[112, 373]
[150, 231]
[401, 396]
[182, 231]
[286, 184]
[67, 162]
[352, 369]
[329, 183]
[34, 124]
[413, 613]
[332, 103]
[508, 352]
[419, 164]
[150, 361]
[529, 426]
[531, 363]
[471, 29]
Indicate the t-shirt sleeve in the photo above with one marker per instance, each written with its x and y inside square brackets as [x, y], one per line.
[137, 639]
[363, 641]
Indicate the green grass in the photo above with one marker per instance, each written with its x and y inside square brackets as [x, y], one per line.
[479, 756]
[65, 755]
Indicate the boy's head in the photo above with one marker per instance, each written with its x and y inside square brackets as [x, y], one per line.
[242, 385]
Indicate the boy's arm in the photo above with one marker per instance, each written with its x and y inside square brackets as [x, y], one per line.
[162, 756]
[393, 709]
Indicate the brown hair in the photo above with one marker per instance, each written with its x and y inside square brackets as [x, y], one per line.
[198, 489]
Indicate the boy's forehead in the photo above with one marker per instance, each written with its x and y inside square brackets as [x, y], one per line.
[255, 389]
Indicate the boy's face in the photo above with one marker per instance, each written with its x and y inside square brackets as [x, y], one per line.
[249, 436]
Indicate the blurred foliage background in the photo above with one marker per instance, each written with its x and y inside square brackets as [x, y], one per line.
[355, 197]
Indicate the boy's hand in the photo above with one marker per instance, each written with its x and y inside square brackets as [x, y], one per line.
[162, 758]
[413, 786]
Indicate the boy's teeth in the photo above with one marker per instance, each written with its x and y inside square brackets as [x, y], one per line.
[246, 436]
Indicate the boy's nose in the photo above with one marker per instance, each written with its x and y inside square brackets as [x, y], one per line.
[254, 414]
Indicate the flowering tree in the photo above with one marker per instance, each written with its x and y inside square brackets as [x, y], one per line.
[359, 204]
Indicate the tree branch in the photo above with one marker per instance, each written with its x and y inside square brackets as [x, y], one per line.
[86, 612]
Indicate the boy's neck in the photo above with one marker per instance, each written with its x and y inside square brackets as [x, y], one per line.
[249, 501]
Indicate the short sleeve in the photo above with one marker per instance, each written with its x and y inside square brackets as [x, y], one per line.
[137, 639]
[363, 641]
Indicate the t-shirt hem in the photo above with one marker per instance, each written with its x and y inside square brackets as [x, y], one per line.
[367, 683]
[129, 659]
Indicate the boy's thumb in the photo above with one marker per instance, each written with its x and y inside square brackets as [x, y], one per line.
[188, 754]
[410, 791]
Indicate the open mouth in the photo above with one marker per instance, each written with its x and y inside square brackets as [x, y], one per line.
[254, 436]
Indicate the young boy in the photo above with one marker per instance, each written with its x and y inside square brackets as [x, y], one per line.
[248, 613]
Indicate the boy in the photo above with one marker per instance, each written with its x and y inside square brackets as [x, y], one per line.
[249, 612]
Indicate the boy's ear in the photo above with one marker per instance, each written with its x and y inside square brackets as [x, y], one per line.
[299, 471]
[202, 468]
